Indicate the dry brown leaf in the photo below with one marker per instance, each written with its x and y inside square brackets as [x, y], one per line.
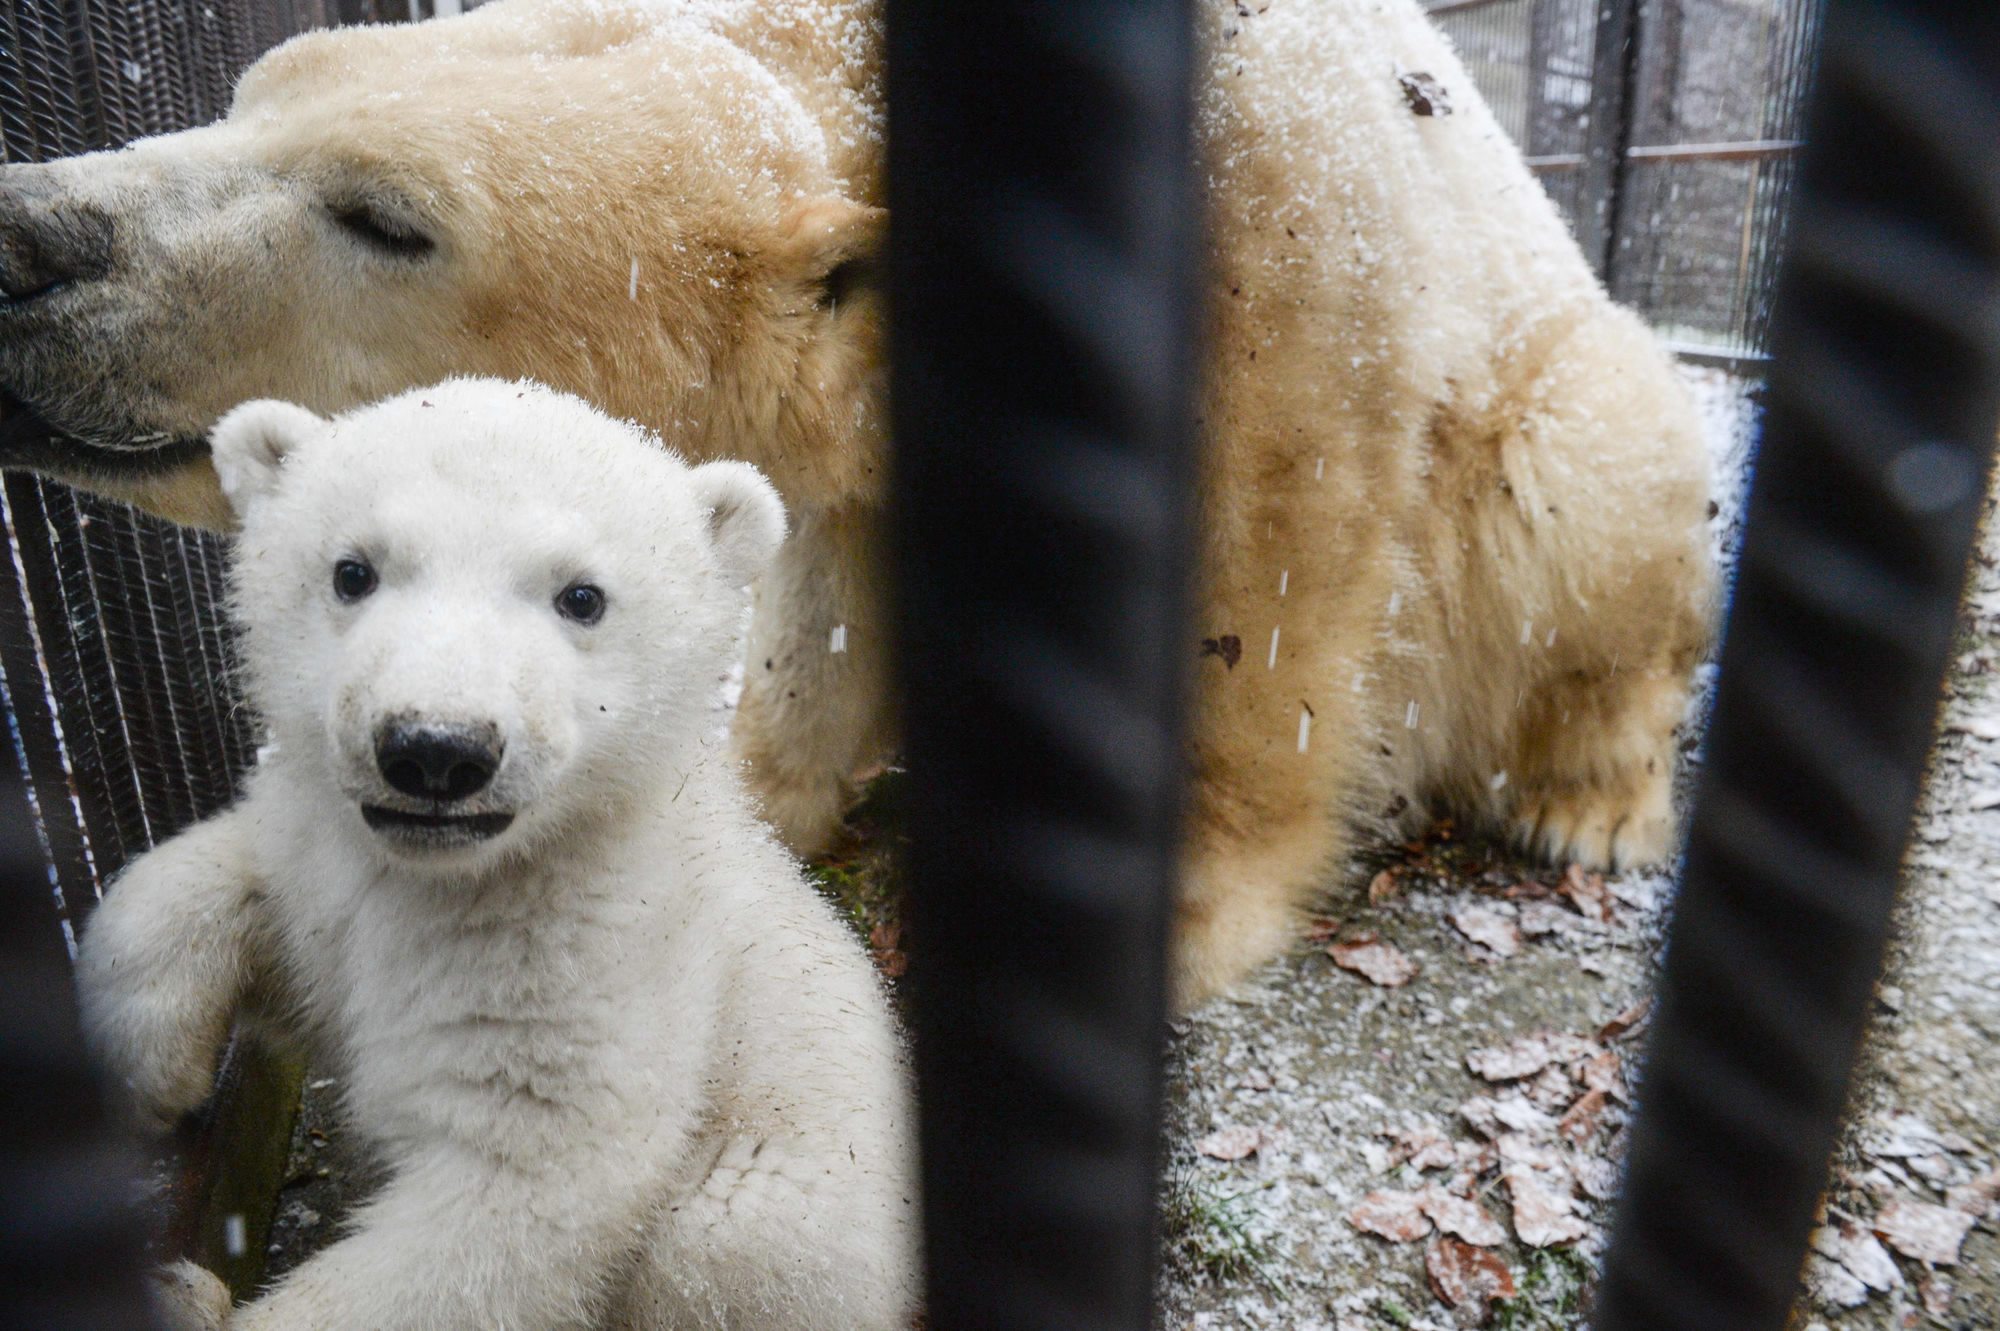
[1467, 1278]
[1583, 1119]
[1488, 926]
[885, 944]
[1463, 1217]
[1586, 892]
[1383, 886]
[1421, 1148]
[1374, 960]
[1511, 1062]
[1858, 1253]
[1231, 1143]
[1935, 1292]
[1923, 1231]
[1603, 1072]
[1596, 1176]
[1542, 1217]
[1631, 1019]
[1977, 1197]
[1550, 1089]
[1322, 929]
[1396, 1216]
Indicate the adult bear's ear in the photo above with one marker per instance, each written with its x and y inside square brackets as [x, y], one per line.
[837, 247]
[249, 444]
[746, 519]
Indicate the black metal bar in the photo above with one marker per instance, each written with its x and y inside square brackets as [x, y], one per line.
[1610, 132]
[1045, 239]
[1884, 394]
[69, 1242]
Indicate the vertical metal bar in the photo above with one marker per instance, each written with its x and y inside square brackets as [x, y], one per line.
[69, 1248]
[1043, 266]
[1602, 218]
[1884, 396]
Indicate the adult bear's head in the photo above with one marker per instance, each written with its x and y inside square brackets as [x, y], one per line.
[662, 209]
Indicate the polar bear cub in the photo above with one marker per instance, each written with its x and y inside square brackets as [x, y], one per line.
[497, 869]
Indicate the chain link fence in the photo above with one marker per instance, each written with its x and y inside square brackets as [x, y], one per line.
[1666, 132]
[116, 661]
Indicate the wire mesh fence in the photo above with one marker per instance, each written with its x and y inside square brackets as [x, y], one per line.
[1665, 130]
[116, 660]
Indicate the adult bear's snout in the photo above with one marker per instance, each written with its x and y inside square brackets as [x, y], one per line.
[428, 761]
[47, 241]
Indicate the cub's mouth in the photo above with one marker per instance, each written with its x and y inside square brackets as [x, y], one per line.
[434, 831]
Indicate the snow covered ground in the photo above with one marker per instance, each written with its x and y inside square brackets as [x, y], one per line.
[1348, 1155]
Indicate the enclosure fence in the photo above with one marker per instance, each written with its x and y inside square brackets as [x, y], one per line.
[116, 661]
[1666, 131]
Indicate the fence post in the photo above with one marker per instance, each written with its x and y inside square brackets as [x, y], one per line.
[1613, 69]
[1884, 397]
[1042, 288]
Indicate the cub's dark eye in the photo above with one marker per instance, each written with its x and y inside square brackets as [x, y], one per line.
[353, 579]
[381, 231]
[581, 602]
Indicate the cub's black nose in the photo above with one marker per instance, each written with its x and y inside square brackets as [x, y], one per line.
[46, 241]
[437, 762]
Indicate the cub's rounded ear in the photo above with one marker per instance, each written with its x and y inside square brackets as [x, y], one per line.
[746, 519]
[837, 247]
[249, 444]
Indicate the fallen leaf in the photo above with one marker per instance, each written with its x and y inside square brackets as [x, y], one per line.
[1858, 1253]
[1382, 886]
[1425, 95]
[1603, 1072]
[1631, 1019]
[1488, 926]
[1421, 1148]
[1597, 1177]
[1463, 1217]
[885, 944]
[1229, 647]
[1586, 892]
[1583, 1119]
[1935, 1292]
[1322, 929]
[1527, 1055]
[1465, 1277]
[1378, 962]
[1542, 1217]
[1977, 1197]
[1923, 1231]
[1230, 1143]
[1833, 1285]
[1539, 919]
[1551, 1089]
[1396, 1216]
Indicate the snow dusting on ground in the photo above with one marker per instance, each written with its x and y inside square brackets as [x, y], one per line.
[1415, 1119]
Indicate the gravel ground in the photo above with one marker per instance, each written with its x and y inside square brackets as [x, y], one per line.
[1488, 1095]
[1317, 1110]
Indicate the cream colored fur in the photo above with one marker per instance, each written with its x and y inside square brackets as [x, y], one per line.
[627, 1071]
[1461, 487]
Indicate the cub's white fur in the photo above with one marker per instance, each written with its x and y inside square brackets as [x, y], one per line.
[626, 1069]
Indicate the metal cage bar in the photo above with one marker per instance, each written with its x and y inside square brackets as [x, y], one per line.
[1043, 274]
[1884, 398]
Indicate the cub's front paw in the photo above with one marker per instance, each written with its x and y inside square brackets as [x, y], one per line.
[189, 1298]
[161, 1062]
[1601, 830]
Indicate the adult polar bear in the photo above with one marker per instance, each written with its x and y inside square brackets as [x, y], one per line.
[1453, 498]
